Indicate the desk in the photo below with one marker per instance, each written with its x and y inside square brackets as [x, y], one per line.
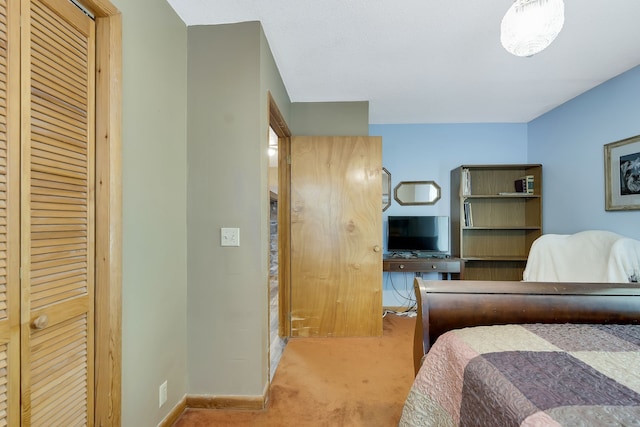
[448, 268]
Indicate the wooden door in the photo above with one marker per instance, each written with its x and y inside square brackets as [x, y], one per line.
[58, 169]
[336, 236]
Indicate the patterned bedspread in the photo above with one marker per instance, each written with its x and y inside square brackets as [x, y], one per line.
[529, 375]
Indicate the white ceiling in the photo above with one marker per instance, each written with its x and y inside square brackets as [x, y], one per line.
[432, 61]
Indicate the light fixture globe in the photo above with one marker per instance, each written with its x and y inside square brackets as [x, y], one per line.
[529, 26]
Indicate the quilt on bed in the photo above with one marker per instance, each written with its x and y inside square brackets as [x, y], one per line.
[529, 375]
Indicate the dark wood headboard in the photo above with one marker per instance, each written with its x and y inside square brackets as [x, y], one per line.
[447, 305]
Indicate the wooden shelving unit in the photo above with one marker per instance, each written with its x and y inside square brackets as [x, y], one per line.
[495, 240]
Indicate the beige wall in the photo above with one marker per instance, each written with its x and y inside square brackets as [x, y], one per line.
[195, 133]
[227, 175]
[330, 118]
[154, 284]
[231, 73]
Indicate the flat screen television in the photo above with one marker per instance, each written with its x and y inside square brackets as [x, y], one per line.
[420, 234]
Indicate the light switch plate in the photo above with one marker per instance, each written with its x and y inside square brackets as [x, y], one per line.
[229, 237]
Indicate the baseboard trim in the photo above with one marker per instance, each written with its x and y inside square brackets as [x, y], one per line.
[175, 413]
[227, 402]
[194, 401]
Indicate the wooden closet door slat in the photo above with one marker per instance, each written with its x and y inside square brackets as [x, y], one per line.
[58, 214]
[9, 212]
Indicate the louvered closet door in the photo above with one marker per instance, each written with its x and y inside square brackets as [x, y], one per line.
[58, 214]
[9, 213]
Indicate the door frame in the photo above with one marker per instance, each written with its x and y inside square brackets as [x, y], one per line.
[108, 250]
[279, 126]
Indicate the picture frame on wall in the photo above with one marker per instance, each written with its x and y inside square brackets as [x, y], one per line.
[622, 174]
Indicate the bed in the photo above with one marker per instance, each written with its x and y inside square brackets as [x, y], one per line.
[525, 354]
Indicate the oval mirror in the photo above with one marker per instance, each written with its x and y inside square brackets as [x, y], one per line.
[417, 193]
[386, 189]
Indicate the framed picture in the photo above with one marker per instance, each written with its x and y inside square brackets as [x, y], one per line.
[622, 174]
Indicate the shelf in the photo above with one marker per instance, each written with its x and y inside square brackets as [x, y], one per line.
[502, 227]
[494, 270]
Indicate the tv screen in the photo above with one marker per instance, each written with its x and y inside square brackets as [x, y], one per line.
[418, 234]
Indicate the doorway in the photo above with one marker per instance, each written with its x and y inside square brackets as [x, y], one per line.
[279, 206]
[276, 341]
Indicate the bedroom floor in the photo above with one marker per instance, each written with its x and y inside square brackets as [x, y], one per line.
[332, 382]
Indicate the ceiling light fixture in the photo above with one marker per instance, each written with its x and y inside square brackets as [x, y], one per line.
[529, 26]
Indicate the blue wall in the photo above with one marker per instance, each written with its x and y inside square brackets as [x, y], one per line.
[569, 142]
[428, 152]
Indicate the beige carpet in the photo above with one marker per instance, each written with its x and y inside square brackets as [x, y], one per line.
[332, 382]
